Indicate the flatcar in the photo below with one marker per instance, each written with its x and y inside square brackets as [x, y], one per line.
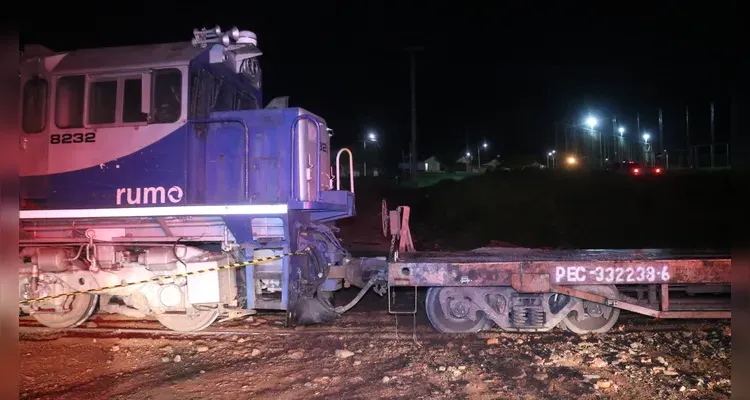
[155, 183]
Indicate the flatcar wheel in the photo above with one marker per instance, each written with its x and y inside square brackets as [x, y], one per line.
[598, 317]
[198, 320]
[82, 307]
[454, 324]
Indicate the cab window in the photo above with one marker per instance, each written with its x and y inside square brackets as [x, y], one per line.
[69, 96]
[34, 108]
[167, 96]
[246, 102]
[225, 97]
[103, 102]
[131, 101]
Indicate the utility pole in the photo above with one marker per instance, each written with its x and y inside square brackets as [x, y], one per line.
[615, 140]
[468, 153]
[638, 132]
[661, 132]
[712, 135]
[413, 75]
[479, 159]
[364, 146]
[687, 137]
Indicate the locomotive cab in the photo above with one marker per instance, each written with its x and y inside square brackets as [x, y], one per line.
[146, 162]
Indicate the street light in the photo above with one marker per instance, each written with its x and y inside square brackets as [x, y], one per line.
[479, 157]
[372, 138]
[591, 122]
[646, 147]
[468, 160]
[621, 143]
[551, 155]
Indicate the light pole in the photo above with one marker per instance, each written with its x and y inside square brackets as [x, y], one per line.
[468, 161]
[621, 142]
[646, 147]
[591, 122]
[552, 155]
[372, 138]
[413, 76]
[479, 159]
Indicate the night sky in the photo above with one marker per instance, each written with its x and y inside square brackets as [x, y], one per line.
[503, 74]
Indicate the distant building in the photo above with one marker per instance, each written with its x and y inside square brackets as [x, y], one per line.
[464, 160]
[534, 165]
[493, 164]
[490, 165]
[431, 164]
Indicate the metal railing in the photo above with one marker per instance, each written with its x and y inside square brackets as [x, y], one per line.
[351, 169]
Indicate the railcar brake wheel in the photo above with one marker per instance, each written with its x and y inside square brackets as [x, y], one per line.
[458, 323]
[598, 317]
[82, 307]
[384, 217]
[198, 320]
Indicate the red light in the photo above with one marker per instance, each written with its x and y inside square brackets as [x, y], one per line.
[636, 171]
[658, 170]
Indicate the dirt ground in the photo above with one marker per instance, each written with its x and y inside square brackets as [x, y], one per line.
[369, 354]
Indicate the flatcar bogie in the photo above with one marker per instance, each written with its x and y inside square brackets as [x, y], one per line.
[591, 317]
[452, 312]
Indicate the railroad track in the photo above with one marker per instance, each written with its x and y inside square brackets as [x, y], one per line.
[379, 328]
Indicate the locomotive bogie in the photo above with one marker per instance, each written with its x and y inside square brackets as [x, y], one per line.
[143, 279]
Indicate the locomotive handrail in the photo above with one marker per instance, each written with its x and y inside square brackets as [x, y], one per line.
[247, 145]
[317, 143]
[351, 169]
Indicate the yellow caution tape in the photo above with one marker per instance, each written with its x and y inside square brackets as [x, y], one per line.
[165, 277]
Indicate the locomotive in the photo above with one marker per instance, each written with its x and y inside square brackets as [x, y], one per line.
[154, 183]
[159, 160]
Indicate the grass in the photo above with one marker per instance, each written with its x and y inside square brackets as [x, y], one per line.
[555, 209]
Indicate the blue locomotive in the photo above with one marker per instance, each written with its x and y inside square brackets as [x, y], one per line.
[156, 160]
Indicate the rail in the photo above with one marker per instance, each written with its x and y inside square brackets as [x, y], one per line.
[351, 169]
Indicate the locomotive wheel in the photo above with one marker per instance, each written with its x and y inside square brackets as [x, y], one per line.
[199, 320]
[599, 318]
[443, 324]
[80, 310]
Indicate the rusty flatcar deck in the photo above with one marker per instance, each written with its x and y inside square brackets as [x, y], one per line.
[494, 254]
[536, 270]
[570, 272]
